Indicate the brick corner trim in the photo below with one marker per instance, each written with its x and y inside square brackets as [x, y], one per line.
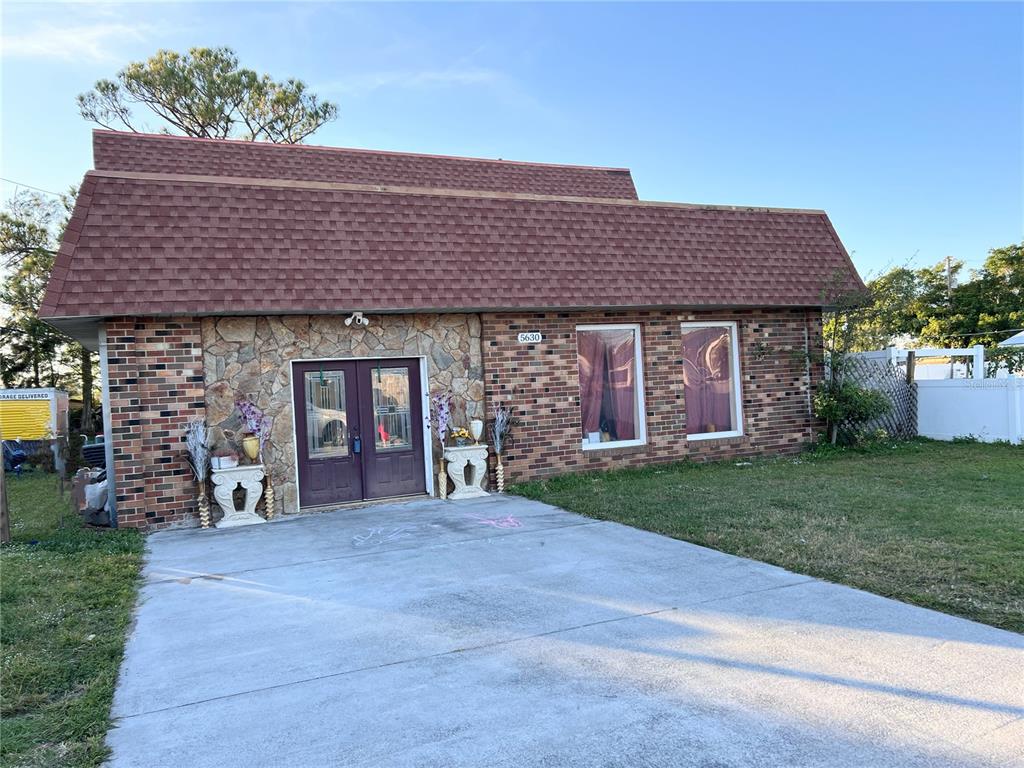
[156, 387]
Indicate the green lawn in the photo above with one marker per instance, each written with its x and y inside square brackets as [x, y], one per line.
[935, 524]
[66, 595]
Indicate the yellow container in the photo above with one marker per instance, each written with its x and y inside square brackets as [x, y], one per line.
[32, 414]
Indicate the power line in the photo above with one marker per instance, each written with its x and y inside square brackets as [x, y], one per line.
[29, 186]
[986, 333]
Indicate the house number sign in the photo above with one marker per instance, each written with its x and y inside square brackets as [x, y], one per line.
[530, 338]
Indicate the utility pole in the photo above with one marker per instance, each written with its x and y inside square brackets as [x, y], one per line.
[949, 301]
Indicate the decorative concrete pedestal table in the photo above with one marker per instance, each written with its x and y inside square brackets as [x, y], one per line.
[458, 457]
[250, 477]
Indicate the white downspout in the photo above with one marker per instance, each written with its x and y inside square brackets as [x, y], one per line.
[108, 443]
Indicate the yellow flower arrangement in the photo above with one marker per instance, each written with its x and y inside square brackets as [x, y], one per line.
[460, 434]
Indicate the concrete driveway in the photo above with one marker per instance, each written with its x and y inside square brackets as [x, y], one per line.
[503, 632]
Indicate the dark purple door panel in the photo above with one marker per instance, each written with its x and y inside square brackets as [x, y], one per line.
[327, 433]
[391, 411]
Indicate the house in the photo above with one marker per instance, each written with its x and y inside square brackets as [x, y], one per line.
[623, 332]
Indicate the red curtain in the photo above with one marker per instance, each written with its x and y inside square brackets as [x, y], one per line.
[707, 380]
[607, 371]
[590, 352]
[622, 384]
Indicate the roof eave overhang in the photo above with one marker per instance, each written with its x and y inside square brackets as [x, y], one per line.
[87, 327]
[84, 330]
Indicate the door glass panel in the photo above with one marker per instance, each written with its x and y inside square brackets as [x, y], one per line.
[326, 417]
[392, 420]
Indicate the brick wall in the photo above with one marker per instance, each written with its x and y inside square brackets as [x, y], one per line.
[156, 388]
[779, 363]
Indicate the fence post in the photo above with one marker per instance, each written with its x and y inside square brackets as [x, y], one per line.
[1013, 396]
[5, 520]
[910, 366]
[979, 361]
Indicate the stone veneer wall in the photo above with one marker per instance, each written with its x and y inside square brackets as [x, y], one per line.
[156, 388]
[779, 354]
[251, 357]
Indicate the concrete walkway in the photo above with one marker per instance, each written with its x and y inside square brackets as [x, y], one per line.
[503, 632]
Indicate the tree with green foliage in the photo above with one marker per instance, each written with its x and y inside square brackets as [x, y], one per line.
[206, 94]
[889, 311]
[32, 352]
[29, 348]
[935, 306]
[983, 310]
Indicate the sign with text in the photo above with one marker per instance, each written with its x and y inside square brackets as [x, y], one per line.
[532, 337]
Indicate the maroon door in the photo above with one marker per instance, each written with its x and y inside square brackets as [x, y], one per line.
[359, 430]
[327, 433]
[391, 412]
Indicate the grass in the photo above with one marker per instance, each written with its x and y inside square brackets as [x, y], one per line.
[939, 525]
[66, 594]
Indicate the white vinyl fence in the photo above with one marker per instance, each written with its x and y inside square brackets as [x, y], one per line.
[956, 369]
[988, 409]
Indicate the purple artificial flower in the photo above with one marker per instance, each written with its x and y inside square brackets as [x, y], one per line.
[441, 414]
[256, 421]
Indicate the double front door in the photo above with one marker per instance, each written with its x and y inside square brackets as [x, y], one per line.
[359, 430]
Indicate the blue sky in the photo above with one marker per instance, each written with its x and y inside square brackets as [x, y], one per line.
[904, 122]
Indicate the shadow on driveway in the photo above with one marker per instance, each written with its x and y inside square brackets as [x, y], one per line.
[507, 632]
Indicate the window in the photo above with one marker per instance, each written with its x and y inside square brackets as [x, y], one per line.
[392, 416]
[711, 382]
[611, 386]
[326, 419]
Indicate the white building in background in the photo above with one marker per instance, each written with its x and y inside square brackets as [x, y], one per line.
[1017, 340]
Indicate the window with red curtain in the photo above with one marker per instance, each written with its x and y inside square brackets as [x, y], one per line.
[610, 388]
[710, 385]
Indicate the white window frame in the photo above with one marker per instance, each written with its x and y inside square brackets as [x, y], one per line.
[737, 392]
[638, 361]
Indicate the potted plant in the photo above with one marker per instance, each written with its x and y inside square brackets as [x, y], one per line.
[461, 437]
[198, 456]
[257, 429]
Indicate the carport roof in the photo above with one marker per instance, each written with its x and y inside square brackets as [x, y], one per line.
[159, 243]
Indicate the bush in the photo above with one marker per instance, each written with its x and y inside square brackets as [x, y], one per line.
[996, 357]
[843, 403]
[42, 458]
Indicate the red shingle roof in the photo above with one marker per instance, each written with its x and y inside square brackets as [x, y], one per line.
[162, 244]
[149, 153]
